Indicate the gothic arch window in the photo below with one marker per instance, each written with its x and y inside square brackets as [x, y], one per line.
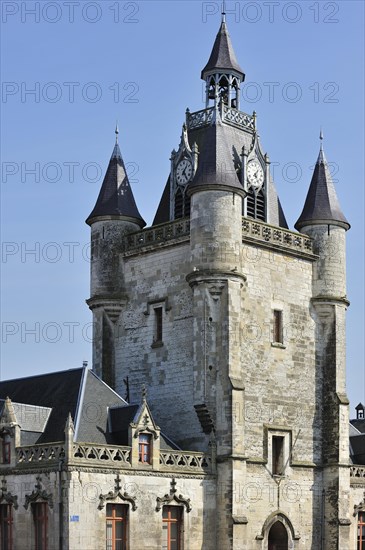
[278, 537]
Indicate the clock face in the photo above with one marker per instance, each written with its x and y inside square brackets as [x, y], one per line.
[184, 171]
[255, 174]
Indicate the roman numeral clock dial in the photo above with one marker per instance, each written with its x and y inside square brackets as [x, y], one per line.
[255, 174]
[184, 171]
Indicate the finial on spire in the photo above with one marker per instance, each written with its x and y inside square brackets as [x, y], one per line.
[116, 133]
[223, 12]
[144, 393]
[321, 138]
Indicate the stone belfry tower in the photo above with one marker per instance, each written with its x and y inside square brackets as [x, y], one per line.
[115, 214]
[234, 323]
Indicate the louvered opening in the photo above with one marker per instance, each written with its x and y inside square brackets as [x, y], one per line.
[178, 210]
[256, 205]
[250, 204]
[260, 206]
[187, 206]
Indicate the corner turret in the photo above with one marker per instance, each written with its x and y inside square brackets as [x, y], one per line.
[115, 215]
[322, 219]
[116, 200]
[321, 205]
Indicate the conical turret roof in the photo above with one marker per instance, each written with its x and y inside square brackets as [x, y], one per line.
[116, 198]
[223, 57]
[321, 204]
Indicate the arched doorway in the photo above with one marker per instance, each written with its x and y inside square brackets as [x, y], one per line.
[278, 537]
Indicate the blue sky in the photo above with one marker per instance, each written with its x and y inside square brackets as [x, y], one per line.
[90, 63]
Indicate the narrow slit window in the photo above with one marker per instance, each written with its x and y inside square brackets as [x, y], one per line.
[158, 325]
[277, 455]
[278, 326]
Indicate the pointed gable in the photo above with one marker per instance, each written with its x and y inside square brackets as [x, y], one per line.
[116, 198]
[321, 204]
[222, 57]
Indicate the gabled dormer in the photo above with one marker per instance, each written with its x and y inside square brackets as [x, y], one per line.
[144, 436]
[133, 425]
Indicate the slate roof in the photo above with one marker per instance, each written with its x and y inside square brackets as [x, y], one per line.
[42, 403]
[321, 204]
[223, 56]
[58, 391]
[31, 418]
[359, 424]
[91, 422]
[163, 210]
[216, 160]
[357, 448]
[116, 197]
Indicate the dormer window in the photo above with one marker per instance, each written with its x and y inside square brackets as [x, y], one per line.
[144, 448]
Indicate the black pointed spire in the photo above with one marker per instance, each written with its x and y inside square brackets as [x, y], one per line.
[321, 204]
[223, 57]
[116, 198]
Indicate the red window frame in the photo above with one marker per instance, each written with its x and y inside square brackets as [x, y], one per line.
[361, 531]
[6, 527]
[40, 518]
[144, 448]
[116, 526]
[171, 517]
[6, 444]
